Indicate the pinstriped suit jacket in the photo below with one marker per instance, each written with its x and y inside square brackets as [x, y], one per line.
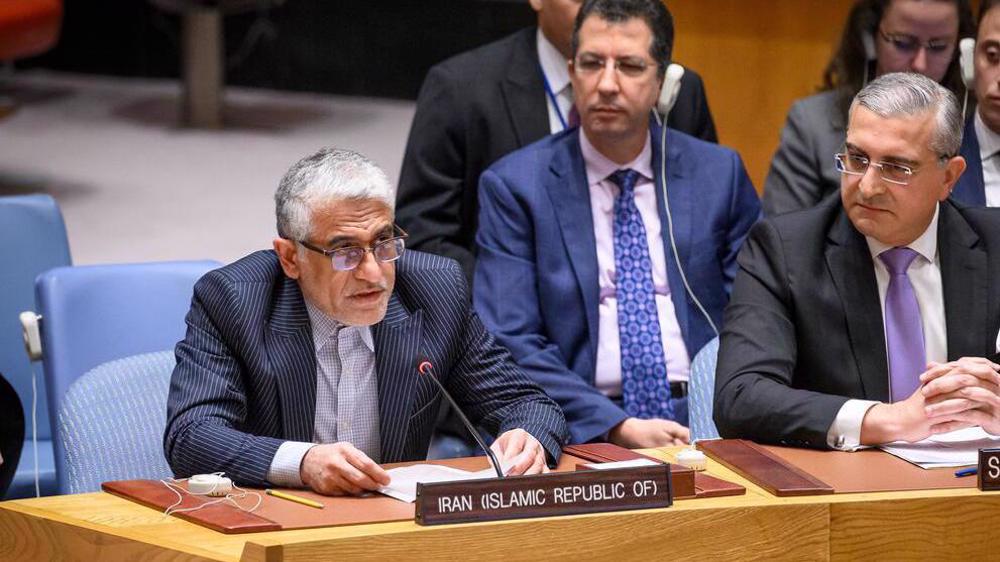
[245, 379]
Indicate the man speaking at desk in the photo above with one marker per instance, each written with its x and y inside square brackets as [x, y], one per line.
[299, 366]
[867, 319]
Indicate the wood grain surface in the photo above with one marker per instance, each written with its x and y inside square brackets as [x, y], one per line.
[932, 524]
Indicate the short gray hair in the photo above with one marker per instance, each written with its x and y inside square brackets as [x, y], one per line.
[908, 93]
[330, 174]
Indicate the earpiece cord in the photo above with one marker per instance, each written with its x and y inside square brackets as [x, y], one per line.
[173, 486]
[670, 223]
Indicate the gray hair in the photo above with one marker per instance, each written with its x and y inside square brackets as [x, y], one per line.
[908, 93]
[330, 174]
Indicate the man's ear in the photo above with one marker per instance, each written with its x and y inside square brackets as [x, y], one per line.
[953, 170]
[288, 256]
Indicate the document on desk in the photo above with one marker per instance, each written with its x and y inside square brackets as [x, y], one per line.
[955, 448]
[403, 480]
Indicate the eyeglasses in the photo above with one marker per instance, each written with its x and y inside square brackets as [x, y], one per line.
[856, 165]
[909, 44]
[350, 257]
[632, 67]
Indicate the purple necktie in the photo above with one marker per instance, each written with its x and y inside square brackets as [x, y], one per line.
[574, 117]
[904, 332]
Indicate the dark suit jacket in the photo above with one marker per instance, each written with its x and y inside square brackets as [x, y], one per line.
[537, 279]
[803, 331]
[245, 379]
[473, 109]
[971, 187]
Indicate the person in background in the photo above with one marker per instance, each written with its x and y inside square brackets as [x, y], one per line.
[485, 103]
[579, 272]
[880, 36]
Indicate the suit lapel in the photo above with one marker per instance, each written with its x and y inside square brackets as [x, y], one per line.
[289, 346]
[524, 92]
[964, 284]
[397, 344]
[567, 187]
[680, 194]
[970, 188]
[850, 265]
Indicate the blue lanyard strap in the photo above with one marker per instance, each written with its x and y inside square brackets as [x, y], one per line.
[552, 98]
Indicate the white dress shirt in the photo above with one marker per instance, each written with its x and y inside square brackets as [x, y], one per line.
[554, 68]
[989, 146]
[603, 192]
[925, 276]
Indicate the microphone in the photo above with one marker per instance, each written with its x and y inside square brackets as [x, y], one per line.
[426, 368]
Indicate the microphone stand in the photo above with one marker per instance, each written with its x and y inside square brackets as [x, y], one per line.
[426, 368]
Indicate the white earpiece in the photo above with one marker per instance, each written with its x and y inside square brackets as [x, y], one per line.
[671, 87]
[966, 61]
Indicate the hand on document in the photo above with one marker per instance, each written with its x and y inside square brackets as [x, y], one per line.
[521, 451]
[963, 393]
[340, 469]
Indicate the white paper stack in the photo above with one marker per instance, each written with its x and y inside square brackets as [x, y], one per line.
[403, 481]
[956, 448]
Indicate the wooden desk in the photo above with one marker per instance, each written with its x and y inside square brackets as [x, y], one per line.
[937, 524]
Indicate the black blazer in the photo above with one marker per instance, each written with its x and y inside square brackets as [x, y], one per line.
[472, 109]
[803, 330]
[245, 379]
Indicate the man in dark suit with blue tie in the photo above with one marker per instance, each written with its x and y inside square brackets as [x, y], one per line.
[601, 288]
[299, 366]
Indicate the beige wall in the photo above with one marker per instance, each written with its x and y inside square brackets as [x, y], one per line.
[756, 57]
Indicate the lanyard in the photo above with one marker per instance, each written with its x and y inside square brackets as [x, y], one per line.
[552, 98]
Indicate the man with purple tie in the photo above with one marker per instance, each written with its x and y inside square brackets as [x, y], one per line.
[870, 319]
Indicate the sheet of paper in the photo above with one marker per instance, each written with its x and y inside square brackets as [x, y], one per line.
[956, 448]
[403, 481]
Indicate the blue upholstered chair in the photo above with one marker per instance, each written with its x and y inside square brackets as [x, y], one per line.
[95, 314]
[111, 421]
[32, 240]
[701, 392]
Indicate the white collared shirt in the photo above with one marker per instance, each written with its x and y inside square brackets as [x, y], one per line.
[608, 376]
[989, 146]
[925, 276]
[554, 67]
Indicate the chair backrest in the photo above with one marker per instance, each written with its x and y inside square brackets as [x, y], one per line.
[701, 392]
[32, 240]
[95, 314]
[111, 423]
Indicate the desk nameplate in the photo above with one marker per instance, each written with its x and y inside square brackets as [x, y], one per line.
[988, 475]
[544, 495]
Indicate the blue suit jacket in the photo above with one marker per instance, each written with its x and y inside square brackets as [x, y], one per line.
[970, 188]
[536, 282]
[245, 379]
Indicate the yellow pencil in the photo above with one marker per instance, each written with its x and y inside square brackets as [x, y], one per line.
[295, 499]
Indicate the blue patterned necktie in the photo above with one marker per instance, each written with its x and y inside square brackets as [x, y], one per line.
[645, 388]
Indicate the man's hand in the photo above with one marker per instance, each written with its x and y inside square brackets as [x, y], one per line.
[525, 453]
[965, 392]
[634, 433]
[952, 395]
[899, 421]
[339, 469]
